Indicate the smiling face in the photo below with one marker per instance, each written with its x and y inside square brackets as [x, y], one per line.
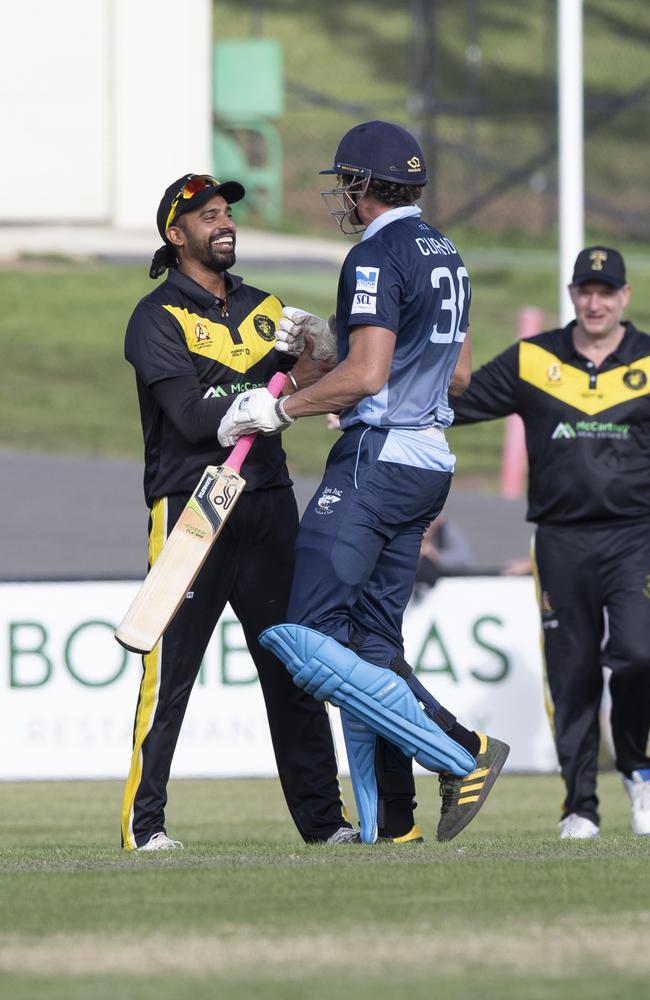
[206, 236]
[599, 308]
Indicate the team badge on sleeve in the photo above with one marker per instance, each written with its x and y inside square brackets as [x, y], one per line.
[363, 303]
[367, 279]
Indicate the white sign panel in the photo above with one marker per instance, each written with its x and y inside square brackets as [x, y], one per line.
[68, 691]
[475, 643]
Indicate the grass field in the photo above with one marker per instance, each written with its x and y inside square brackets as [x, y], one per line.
[68, 388]
[505, 912]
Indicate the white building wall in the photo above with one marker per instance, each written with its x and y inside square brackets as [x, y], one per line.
[55, 111]
[102, 104]
[162, 101]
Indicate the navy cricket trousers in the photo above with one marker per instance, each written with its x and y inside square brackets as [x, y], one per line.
[358, 545]
[356, 557]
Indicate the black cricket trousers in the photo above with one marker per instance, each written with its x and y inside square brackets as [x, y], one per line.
[251, 565]
[583, 571]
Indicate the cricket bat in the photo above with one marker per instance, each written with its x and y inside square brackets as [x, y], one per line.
[187, 546]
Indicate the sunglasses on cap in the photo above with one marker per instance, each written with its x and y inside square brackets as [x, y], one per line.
[191, 188]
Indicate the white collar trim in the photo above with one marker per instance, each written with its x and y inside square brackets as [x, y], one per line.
[392, 215]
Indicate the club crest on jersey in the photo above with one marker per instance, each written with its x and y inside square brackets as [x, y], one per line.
[635, 378]
[264, 326]
[201, 334]
[367, 279]
[554, 373]
[327, 499]
[363, 303]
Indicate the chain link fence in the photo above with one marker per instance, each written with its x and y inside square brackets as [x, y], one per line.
[475, 80]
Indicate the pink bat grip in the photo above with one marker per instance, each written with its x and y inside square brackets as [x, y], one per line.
[236, 457]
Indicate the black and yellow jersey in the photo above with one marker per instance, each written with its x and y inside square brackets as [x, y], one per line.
[219, 349]
[587, 427]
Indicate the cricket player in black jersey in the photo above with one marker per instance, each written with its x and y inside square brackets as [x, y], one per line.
[200, 338]
[584, 395]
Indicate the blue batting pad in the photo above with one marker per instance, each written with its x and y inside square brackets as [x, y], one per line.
[375, 695]
[360, 743]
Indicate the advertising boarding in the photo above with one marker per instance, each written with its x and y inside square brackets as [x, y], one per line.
[69, 691]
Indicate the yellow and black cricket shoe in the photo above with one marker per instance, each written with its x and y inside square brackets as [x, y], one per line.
[413, 836]
[463, 797]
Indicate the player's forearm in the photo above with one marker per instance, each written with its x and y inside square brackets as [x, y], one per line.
[340, 388]
[196, 419]
[305, 372]
[493, 390]
[362, 373]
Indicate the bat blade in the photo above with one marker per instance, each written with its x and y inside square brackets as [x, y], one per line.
[181, 558]
[187, 546]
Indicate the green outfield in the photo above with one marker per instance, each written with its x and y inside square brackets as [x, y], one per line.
[505, 912]
[68, 388]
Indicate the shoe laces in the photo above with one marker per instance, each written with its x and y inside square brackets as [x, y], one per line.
[446, 788]
[162, 838]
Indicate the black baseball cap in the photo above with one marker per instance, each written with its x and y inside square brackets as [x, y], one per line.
[381, 150]
[599, 264]
[187, 194]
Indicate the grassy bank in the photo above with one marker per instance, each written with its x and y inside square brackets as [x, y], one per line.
[67, 387]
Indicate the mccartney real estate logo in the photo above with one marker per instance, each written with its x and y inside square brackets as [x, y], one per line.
[590, 429]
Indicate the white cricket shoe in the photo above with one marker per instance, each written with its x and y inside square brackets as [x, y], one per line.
[574, 827]
[160, 842]
[344, 835]
[637, 787]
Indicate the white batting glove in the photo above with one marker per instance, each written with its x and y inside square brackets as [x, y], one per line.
[296, 324]
[256, 410]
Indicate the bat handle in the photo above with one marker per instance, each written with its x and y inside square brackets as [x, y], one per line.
[236, 457]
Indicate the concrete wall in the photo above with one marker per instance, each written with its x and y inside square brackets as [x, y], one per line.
[102, 104]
